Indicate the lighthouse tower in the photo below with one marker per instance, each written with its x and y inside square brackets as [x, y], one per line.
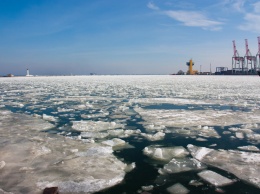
[28, 73]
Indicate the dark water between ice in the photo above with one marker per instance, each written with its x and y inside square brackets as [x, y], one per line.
[146, 171]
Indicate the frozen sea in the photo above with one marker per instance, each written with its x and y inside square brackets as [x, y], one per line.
[130, 134]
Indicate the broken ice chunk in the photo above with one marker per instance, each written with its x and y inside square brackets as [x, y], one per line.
[49, 118]
[249, 148]
[215, 178]
[201, 139]
[95, 125]
[97, 135]
[177, 189]
[244, 165]
[195, 183]
[147, 188]
[130, 167]
[157, 136]
[165, 153]
[114, 142]
[239, 135]
[199, 153]
[182, 165]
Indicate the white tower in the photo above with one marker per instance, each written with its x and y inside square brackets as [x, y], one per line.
[27, 72]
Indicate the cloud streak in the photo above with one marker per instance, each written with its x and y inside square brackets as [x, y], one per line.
[252, 23]
[152, 6]
[193, 19]
[189, 18]
[251, 19]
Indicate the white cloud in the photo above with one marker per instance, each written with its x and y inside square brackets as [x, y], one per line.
[256, 7]
[252, 23]
[252, 19]
[152, 6]
[194, 19]
[238, 5]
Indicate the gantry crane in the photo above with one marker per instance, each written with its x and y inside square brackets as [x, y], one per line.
[250, 61]
[258, 55]
[238, 63]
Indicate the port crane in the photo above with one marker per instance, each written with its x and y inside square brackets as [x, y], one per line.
[238, 63]
[250, 61]
[258, 55]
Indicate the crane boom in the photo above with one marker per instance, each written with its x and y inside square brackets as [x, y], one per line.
[235, 49]
[258, 44]
[247, 50]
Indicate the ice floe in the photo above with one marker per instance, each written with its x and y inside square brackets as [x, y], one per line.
[249, 148]
[245, 165]
[215, 178]
[177, 189]
[177, 165]
[155, 137]
[191, 118]
[114, 142]
[165, 153]
[93, 126]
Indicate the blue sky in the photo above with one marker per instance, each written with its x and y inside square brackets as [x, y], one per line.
[123, 36]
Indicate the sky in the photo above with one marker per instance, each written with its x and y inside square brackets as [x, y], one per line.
[79, 37]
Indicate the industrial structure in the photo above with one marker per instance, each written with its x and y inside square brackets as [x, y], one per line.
[258, 54]
[237, 61]
[249, 64]
[223, 71]
[190, 69]
[250, 61]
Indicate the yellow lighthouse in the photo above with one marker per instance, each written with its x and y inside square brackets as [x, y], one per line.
[190, 70]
